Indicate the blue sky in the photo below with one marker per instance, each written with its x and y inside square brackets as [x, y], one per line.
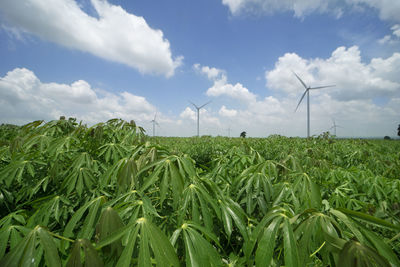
[96, 60]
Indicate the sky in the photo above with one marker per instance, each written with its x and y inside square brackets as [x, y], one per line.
[95, 60]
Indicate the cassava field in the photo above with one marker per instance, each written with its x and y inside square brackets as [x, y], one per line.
[108, 195]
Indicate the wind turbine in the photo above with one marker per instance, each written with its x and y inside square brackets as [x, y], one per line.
[198, 114]
[154, 124]
[307, 91]
[335, 126]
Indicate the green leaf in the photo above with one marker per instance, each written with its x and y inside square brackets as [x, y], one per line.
[84, 252]
[381, 247]
[115, 236]
[354, 254]
[350, 224]
[50, 252]
[227, 221]
[23, 254]
[126, 256]
[109, 223]
[68, 231]
[144, 250]
[266, 245]
[369, 218]
[164, 253]
[290, 246]
[89, 224]
[191, 257]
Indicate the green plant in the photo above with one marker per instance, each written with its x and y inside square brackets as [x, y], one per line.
[107, 195]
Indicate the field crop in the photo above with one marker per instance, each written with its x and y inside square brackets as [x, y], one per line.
[109, 195]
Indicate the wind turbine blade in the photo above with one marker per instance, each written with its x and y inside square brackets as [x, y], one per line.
[305, 92]
[205, 104]
[194, 105]
[155, 115]
[305, 86]
[320, 87]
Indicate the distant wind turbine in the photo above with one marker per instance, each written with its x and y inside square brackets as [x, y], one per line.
[154, 124]
[198, 115]
[307, 91]
[335, 126]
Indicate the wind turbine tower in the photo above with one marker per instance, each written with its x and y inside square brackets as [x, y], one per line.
[154, 124]
[307, 92]
[198, 115]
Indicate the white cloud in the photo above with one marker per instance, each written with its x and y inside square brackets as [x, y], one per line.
[225, 112]
[237, 91]
[115, 35]
[23, 98]
[234, 5]
[188, 113]
[388, 9]
[386, 39]
[353, 101]
[299, 8]
[396, 30]
[365, 101]
[353, 78]
[221, 87]
[392, 39]
[269, 6]
[212, 73]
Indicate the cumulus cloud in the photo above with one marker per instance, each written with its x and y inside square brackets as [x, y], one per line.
[299, 8]
[225, 112]
[356, 101]
[188, 113]
[354, 78]
[221, 87]
[236, 91]
[211, 72]
[24, 98]
[114, 35]
[396, 30]
[386, 39]
[365, 101]
[393, 38]
[388, 9]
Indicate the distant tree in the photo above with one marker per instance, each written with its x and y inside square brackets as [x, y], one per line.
[398, 130]
[387, 137]
[243, 134]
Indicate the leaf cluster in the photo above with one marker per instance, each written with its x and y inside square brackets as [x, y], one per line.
[108, 195]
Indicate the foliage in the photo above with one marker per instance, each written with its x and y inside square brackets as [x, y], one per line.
[107, 195]
[7, 133]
